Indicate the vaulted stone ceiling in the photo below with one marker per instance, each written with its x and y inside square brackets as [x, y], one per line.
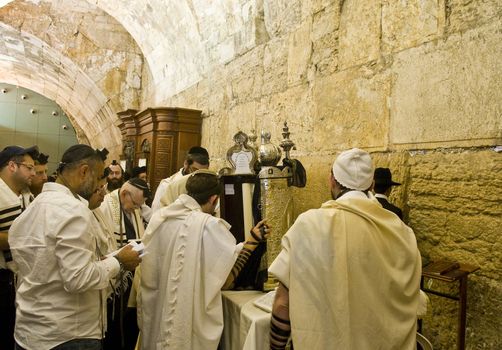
[181, 39]
[98, 57]
[74, 53]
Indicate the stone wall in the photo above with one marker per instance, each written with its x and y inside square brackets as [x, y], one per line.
[77, 55]
[417, 83]
[452, 199]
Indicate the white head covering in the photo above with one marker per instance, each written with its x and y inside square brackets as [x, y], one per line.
[353, 169]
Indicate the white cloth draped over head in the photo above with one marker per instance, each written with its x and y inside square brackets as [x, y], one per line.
[188, 256]
[353, 272]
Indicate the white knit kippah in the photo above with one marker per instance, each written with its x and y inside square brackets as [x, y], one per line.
[353, 169]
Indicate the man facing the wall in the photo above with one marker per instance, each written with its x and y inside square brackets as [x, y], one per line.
[349, 271]
[197, 158]
[190, 256]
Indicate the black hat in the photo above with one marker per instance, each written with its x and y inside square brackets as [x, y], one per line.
[10, 152]
[140, 184]
[138, 170]
[383, 176]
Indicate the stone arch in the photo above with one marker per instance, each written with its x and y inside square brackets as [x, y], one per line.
[29, 62]
[73, 45]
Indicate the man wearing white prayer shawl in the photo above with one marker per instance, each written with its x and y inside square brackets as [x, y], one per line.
[190, 256]
[349, 271]
[196, 158]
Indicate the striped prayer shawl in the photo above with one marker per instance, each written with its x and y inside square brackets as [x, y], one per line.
[10, 209]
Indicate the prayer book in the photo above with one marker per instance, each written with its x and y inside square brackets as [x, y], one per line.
[265, 302]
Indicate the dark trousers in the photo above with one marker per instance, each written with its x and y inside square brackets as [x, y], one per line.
[122, 332]
[7, 309]
[75, 344]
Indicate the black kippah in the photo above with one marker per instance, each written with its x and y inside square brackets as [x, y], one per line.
[140, 184]
[42, 159]
[80, 152]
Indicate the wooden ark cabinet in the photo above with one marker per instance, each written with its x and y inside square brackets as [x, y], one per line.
[161, 137]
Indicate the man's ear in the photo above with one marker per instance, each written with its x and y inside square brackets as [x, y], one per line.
[84, 170]
[213, 199]
[123, 192]
[11, 165]
[332, 181]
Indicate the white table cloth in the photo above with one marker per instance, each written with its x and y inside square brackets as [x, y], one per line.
[246, 327]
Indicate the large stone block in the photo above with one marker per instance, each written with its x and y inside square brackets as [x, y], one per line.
[275, 66]
[409, 23]
[245, 76]
[448, 93]
[325, 40]
[299, 53]
[360, 32]
[281, 16]
[466, 14]
[351, 110]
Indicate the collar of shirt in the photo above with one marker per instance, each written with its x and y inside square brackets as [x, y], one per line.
[55, 187]
[378, 195]
[354, 194]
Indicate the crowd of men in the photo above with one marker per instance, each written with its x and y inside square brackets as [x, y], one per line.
[73, 274]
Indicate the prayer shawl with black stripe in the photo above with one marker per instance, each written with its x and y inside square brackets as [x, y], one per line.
[10, 209]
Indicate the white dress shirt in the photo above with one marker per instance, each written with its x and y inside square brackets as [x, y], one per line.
[53, 243]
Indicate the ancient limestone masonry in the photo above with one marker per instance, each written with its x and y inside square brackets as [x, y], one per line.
[415, 82]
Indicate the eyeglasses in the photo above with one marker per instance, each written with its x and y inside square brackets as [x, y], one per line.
[101, 189]
[30, 167]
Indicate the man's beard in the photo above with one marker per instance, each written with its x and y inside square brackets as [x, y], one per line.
[113, 184]
[23, 183]
[87, 189]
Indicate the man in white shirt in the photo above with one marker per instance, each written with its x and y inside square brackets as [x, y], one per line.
[349, 271]
[189, 256]
[60, 274]
[17, 169]
[197, 158]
